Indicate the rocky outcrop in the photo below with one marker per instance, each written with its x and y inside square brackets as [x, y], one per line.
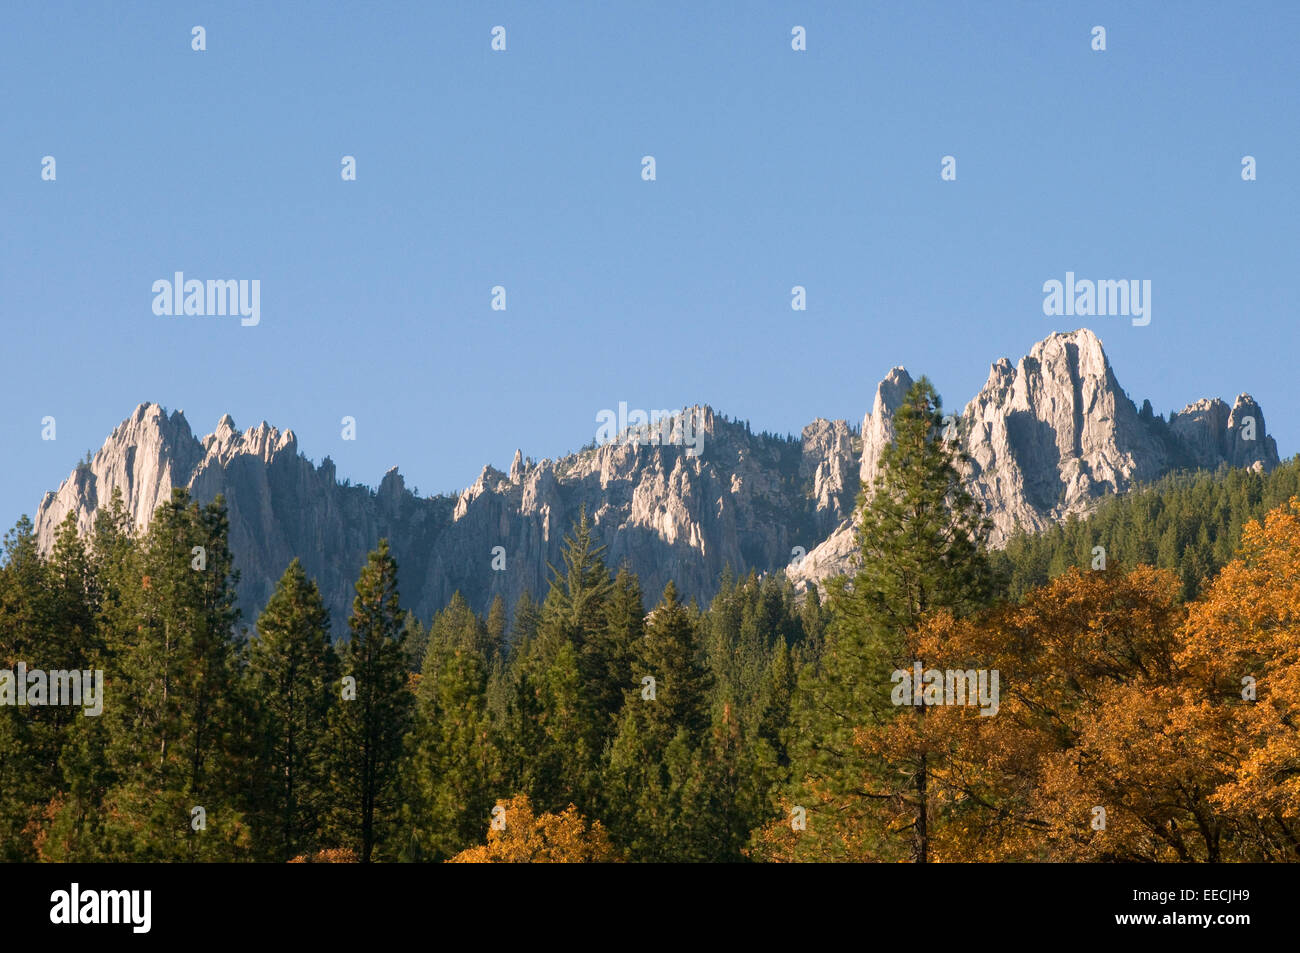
[878, 424]
[1046, 437]
[828, 467]
[664, 512]
[1050, 436]
[1212, 434]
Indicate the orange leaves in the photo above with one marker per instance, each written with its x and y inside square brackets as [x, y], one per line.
[333, 855]
[1091, 720]
[1184, 730]
[1243, 647]
[528, 838]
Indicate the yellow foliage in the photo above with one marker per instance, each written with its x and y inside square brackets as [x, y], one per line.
[333, 855]
[1246, 633]
[528, 838]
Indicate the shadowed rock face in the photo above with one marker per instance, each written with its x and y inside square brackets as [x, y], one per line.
[1047, 437]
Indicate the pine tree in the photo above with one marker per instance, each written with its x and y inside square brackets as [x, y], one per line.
[74, 828]
[548, 733]
[369, 724]
[27, 611]
[172, 710]
[31, 632]
[76, 596]
[456, 626]
[415, 640]
[526, 762]
[771, 751]
[724, 793]
[452, 768]
[73, 819]
[813, 617]
[293, 681]
[523, 628]
[76, 825]
[611, 651]
[655, 756]
[555, 726]
[496, 626]
[575, 606]
[921, 544]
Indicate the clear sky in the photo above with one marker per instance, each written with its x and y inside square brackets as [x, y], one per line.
[522, 168]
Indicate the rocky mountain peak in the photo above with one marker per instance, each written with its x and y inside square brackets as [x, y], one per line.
[829, 463]
[263, 441]
[1052, 434]
[878, 424]
[1047, 436]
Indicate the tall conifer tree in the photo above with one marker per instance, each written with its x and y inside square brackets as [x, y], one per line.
[293, 682]
[921, 540]
[368, 725]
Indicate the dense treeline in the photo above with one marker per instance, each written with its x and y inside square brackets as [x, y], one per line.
[1189, 523]
[396, 744]
[604, 723]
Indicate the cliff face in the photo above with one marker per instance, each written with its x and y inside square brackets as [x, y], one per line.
[1053, 434]
[744, 501]
[1047, 437]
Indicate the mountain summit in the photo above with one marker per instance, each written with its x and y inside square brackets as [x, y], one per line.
[1048, 437]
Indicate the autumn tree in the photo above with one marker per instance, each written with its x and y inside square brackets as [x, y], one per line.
[524, 837]
[1086, 724]
[1242, 694]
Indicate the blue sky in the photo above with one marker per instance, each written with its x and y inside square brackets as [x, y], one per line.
[522, 169]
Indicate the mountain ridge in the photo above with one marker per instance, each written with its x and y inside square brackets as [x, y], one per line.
[1047, 437]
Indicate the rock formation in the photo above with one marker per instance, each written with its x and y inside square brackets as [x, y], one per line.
[1050, 436]
[1047, 437]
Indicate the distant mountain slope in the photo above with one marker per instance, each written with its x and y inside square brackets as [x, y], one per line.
[1047, 437]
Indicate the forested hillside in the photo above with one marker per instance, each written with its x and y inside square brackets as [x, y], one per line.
[1140, 708]
[1189, 523]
